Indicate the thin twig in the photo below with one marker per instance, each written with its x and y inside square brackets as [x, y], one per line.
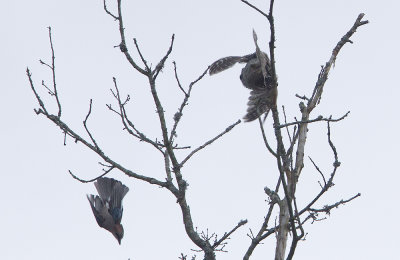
[86, 128]
[336, 163]
[318, 119]
[265, 139]
[255, 240]
[128, 125]
[226, 235]
[302, 97]
[327, 208]
[316, 167]
[160, 65]
[294, 139]
[42, 108]
[178, 115]
[141, 56]
[91, 180]
[48, 89]
[229, 128]
[308, 209]
[285, 118]
[255, 8]
[53, 70]
[177, 79]
[68, 131]
[122, 45]
[108, 12]
[329, 183]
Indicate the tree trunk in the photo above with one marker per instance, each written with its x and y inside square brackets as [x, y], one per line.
[283, 230]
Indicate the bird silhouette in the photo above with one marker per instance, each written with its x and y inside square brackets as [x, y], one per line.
[107, 206]
[262, 95]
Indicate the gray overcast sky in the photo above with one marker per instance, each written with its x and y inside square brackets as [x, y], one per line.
[45, 214]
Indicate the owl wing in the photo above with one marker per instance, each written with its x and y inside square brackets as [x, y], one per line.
[227, 62]
[223, 64]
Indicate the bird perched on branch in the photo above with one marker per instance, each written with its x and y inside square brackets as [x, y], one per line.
[107, 207]
[263, 95]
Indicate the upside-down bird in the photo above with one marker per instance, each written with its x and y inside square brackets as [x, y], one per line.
[107, 207]
[263, 95]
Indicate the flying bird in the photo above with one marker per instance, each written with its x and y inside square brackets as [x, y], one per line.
[107, 206]
[263, 95]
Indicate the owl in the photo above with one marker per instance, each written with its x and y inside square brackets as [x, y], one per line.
[262, 95]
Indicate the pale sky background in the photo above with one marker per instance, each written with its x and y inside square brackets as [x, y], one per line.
[45, 213]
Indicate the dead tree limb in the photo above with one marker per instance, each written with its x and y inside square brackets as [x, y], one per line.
[290, 162]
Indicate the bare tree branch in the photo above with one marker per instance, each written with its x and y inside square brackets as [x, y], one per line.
[290, 219]
[86, 128]
[91, 180]
[312, 211]
[177, 79]
[296, 238]
[51, 93]
[323, 76]
[226, 235]
[265, 139]
[288, 214]
[229, 128]
[160, 65]
[108, 12]
[68, 131]
[53, 70]
[318, 119]
[317, 168]
[178, 115]
[122, 45]
[128, 125]
[256, 240]
[329, 183]
[287, 128]
[255, 8]
[42, 108]
[302, 97]
[327, 208]
[312, 102]
[140, 54]
[182, 185]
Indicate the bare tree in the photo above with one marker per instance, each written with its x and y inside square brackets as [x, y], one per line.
[289, 156]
